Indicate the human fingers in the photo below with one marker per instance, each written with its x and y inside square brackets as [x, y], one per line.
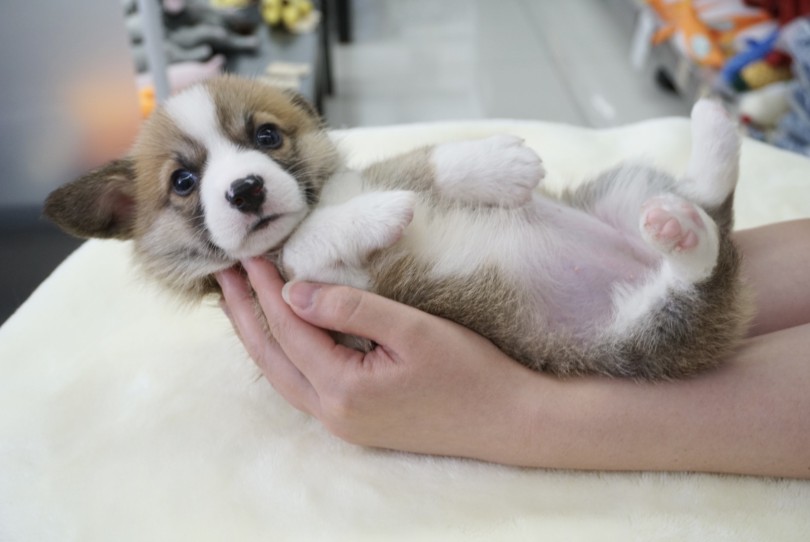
[282, 374]
[310, 348]
[355, 312]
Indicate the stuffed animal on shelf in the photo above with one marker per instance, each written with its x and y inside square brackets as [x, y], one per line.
[295, 16]
[702, 31]
[793, 130]
[195, 30]
[758, 65]
[764, 107]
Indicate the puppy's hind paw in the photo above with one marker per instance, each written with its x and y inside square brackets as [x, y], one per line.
[682, 232]
[671, 225]
[713, 167]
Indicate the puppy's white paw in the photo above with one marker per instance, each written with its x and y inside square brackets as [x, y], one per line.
[332, 244]
[499, 170]
[683, 232]
[714, 164]
[380, 218]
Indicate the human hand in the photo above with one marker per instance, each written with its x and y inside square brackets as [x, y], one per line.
[431, 386]
[435, 387]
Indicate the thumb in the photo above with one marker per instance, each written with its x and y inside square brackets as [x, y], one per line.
[352, 311]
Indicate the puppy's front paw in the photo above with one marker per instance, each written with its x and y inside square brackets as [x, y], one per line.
[499, 170]
[384, 217]
[332, 244]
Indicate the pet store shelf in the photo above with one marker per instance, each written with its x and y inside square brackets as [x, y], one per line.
[310, 51]
[304, 57]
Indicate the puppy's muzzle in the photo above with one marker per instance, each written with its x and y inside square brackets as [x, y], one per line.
[246, 194]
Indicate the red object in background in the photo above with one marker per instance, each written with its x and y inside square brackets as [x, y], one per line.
[783, 10]
[777, 59]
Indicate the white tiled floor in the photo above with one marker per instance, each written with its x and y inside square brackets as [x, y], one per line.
[557, 60]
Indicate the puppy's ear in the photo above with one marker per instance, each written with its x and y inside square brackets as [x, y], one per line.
[99, 204]
[302, 103]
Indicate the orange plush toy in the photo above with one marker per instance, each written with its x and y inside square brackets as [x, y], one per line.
[700, 41]
[682, 23]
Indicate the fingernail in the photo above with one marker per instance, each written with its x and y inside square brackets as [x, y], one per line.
[299, 294]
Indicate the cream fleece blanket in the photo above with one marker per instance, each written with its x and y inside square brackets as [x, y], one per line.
[124, 417]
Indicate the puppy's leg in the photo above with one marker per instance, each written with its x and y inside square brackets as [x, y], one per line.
[499, 170]
[333, 243]
[713, 168]
[683, 233]
[689, 241]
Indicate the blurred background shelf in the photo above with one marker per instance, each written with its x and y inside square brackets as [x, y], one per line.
[389, 62]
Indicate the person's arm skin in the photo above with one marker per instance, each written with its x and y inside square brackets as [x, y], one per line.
[435, 387]
[776, 260]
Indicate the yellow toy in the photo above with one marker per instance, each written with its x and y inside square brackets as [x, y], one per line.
[294, 15]
[761, 74]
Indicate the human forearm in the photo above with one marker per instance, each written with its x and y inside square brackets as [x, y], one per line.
[775, 259]
[750, 417]
[432, 386]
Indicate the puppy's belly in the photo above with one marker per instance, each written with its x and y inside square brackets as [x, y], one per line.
[565, 261]
[577, 296]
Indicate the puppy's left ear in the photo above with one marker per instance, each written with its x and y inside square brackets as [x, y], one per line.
[99, 204]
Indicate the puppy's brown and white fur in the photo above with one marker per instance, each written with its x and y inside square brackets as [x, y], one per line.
[633, 274]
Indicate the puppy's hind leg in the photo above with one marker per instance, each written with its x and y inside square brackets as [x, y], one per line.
[687, 238]
[713, 168]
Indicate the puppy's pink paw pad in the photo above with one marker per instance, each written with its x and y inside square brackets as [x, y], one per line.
[671, 223]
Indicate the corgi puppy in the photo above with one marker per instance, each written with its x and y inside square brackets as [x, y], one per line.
[632, 274]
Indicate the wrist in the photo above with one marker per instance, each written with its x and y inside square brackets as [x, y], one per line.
[525, 420]
[570, 423]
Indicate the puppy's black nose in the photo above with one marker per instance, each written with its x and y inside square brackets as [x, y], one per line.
[246, 194]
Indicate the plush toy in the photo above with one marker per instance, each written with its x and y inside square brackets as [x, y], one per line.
[764, 107]
[762, 73]
[793, 130]
[293, 15]
[224, 30]
[682, 24]
[196, 12]
[194, 31]
[701, 30]
[220, 39]
[755, 51]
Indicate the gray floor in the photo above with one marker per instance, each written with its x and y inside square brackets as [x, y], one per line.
[556, 60]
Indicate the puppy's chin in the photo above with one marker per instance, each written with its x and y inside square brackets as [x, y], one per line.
[266, 235]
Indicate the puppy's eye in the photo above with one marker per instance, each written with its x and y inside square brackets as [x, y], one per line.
[268, 137]
[184, 182]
